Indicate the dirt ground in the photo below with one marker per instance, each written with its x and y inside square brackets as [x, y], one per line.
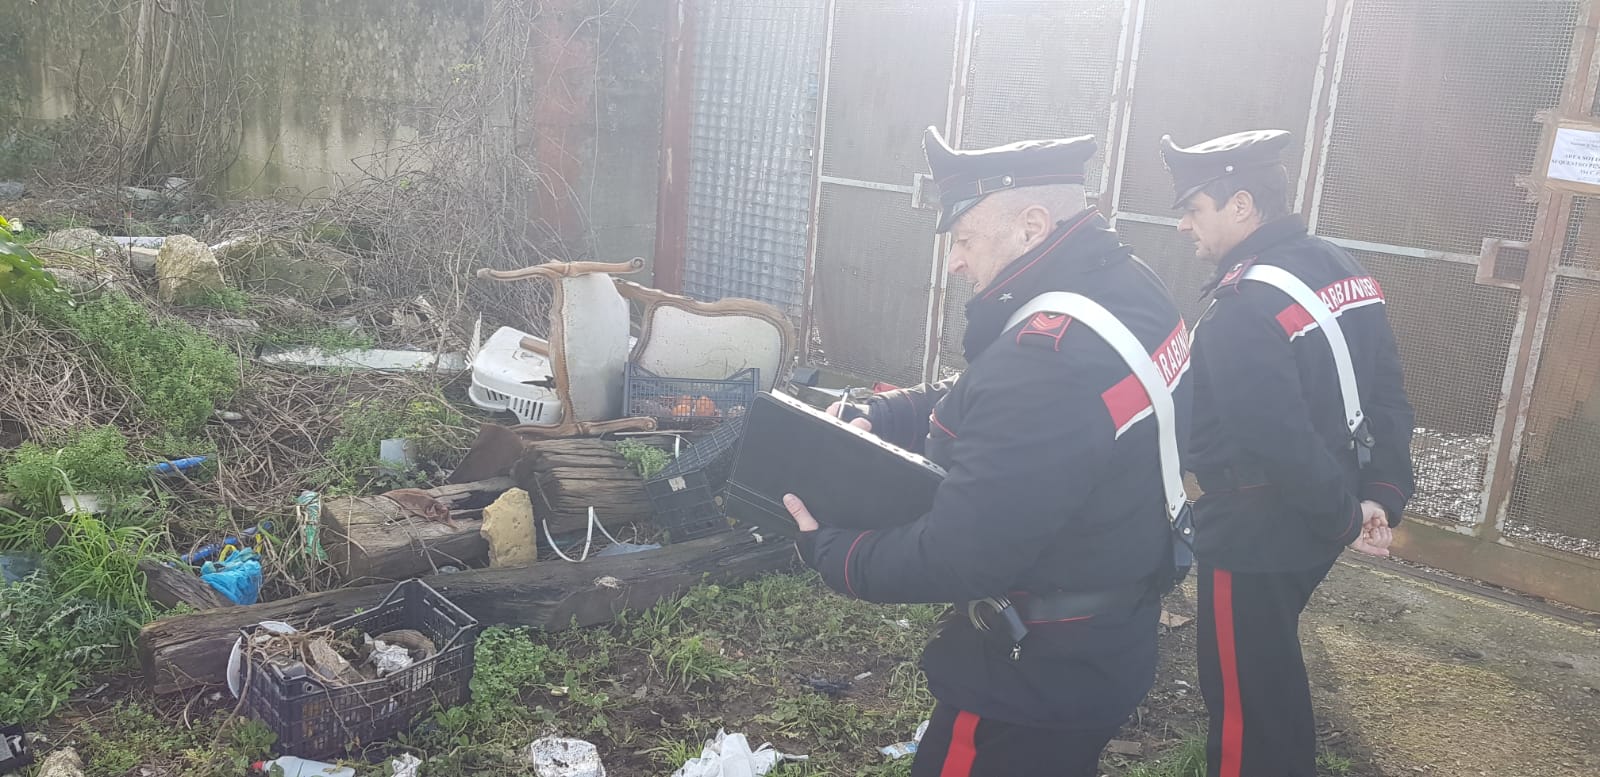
[1411, 677]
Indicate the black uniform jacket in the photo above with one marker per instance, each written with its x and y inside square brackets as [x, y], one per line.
[1271, 448]
[1053, 484]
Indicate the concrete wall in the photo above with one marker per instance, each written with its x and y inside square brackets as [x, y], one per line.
[325, 84]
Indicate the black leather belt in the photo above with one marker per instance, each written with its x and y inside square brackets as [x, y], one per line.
[1058, 606]
[1006, 619]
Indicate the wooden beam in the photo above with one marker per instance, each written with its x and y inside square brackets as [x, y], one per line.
[373, 539]
[169, 588]
[192, 650]
[1520, 566]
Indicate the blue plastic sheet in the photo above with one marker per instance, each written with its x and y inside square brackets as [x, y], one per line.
[238, 577]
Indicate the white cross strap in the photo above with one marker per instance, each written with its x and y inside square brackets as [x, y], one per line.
[1116, 334]
[1328, 321]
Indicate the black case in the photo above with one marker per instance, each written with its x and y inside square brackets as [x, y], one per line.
[848, 478]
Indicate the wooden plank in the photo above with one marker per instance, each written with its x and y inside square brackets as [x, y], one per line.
[373, 539]
[191, 650]
[170, 587]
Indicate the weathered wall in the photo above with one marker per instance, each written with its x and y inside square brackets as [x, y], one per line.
[323, 85]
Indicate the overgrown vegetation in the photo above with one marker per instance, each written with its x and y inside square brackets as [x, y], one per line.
[21, 274]
[88, 556]
[436, 431]
[51, 647]
[178, 374]
[229, 300]
[89, 461]
[323, 338]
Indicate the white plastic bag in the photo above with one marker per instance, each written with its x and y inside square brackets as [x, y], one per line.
[729, 755]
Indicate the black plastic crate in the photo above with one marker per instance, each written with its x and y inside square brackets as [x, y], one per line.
[317, 721]
[712, 454]
[685, 506]
[14, 750]
[689, 403]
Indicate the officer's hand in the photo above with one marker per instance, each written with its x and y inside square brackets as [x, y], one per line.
[1374, 541]
[837, 411]
[802, 516]
[1373, 514]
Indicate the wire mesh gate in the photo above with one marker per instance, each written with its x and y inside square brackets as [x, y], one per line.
[1420, 122]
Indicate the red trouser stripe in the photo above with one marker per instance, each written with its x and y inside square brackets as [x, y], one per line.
[963, 747]
[1232, 715]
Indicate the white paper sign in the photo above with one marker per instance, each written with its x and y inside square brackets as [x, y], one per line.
[1576, 156]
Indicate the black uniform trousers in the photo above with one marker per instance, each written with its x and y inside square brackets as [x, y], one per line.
[961, 744]
[1253, 675]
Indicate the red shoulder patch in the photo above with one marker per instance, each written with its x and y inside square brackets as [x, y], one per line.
[1046, 328]
[1233, 275]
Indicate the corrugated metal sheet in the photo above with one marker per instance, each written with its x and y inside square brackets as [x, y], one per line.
[757, 69]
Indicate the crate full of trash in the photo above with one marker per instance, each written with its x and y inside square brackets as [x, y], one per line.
[689, 402]
[360, 680]
[685, 507]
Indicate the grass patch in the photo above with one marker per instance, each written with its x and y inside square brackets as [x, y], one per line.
[88, 556]
[178, 374]
[1186, 760]
[438, 435]
[93, 461]
[51, 646]
[228, 300]
[322, 338]
[652, 687]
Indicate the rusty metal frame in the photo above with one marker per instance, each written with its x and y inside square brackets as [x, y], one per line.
[808, 290]
[677, 122]
[955, 124]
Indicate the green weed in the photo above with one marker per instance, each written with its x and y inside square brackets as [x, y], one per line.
[94, 461]
[21, 274]
[51, 646]
[88, 556]
[1334, 765]
[646, 459]
[437, 432]
[813, 717]
[133, 736]
[1186, 760]
[691, 660]
[178, 374]
[225, 299]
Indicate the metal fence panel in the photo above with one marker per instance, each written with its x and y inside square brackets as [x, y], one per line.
[1039, 69]
[757, 69]
[872, 303]
[1559, 463]
[1210, 68]
[1435, 119]
[1172, 257]
[888, 81]
[1454, 336]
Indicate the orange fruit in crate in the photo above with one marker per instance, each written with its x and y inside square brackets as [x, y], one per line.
[685, 406]
[704, 406]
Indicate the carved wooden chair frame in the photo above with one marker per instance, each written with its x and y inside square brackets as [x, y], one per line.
[555, 347]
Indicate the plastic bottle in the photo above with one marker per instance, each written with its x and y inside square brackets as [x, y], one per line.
[300, 767]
